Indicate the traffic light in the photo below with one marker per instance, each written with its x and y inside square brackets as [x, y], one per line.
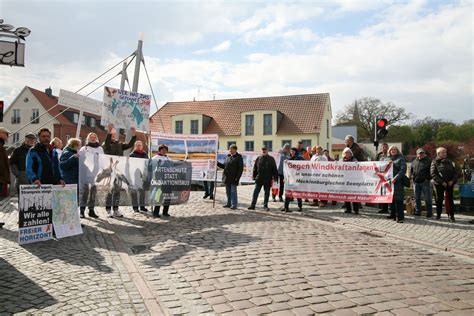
[381, 128]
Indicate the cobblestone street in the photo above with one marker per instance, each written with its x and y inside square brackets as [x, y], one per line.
[215, 261]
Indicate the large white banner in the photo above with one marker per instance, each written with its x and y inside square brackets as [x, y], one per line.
[199, 150]
[126, 109]
[80, 102]
[249, 158]
[339, 181]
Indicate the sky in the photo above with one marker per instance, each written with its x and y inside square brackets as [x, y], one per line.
[417, 54]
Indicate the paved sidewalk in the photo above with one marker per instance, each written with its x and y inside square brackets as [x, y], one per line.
[215, 261]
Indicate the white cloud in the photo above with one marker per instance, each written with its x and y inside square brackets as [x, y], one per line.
[222, 47]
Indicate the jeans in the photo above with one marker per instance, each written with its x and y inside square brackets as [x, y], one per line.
[397, 209]
[138, 198]
[209, 188]
[440, 198]
[256, 192]
[425, 188]
[88, 196]
[231, 192]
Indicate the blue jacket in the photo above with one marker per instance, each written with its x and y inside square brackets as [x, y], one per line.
[69, 166]
[42, 165]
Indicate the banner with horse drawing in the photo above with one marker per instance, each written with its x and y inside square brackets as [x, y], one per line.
[106, 180]
[369, 182]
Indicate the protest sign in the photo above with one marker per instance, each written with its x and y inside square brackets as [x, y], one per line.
[199, 150]
[35, 213]
[65, 211]
[80, 102]
[249, 158]
[106, 180]
[171, 182]
[339, 181]
[125, 109]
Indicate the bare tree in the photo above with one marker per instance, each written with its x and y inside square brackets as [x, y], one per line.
[364, 111]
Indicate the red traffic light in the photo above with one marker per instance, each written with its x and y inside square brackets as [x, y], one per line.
[381, 123]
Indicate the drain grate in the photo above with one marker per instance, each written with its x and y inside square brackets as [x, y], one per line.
[371, 234]
[137, 249]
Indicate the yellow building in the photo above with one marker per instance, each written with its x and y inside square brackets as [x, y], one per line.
[253, 122]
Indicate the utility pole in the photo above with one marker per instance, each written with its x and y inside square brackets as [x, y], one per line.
[124, 76]
[136, 76]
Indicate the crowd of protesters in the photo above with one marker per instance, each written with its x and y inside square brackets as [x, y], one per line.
[42, 160]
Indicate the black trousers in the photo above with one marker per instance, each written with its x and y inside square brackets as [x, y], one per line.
[287, 202]
[354, 206]
[88, 196]
[138, 198]
[156, 209]
[440, 190]
[258, 187]
[209, 187]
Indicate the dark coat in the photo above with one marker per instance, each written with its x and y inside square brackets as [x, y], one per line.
[18, 159]
[357, 152]
[233, 167]
[265, 169]
[43, 165]
[442, 170]
[297, 157]
[4, 165]
[135, 154]
[116, 148]
[420, 169]
[69, 166]
[399, 171]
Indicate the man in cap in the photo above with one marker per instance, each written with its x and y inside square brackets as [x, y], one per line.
[18, 160]
[4, 166]
[420, 173]
[264, 171]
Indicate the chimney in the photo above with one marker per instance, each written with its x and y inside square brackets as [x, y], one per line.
[49, 92]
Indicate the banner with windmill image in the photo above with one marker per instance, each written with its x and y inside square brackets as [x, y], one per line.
[106, 180]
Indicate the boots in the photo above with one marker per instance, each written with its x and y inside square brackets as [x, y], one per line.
[92, 213]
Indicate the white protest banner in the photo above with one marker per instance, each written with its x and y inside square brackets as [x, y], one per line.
[369, 182]
[35, 214]
[80, 102]
[126, 109]
[249, 158]
[66, 220]
[199, 150]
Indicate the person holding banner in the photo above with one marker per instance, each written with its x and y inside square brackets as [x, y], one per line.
[162, 155]
[317, 155]
[444, 176]
[42, 163]
[69, 162]
[264, 171]
[57, 145]
[4, 166]
[284, 155]
[348, 156]
[18, 161]
[233, 168]
[383, 156]
[294, 156]
[397, 208]
[112, 146]
[138, 194]
[89, 189]
[357, 152]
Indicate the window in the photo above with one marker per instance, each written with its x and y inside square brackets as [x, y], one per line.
[15, 138]
[34, 116]
[16, 116]
[268, 144]
[194, 127]
[267, 124]
[283, 142]
[92, 122]
[249, 146]
[230, 144]
[67, 137]
[327, 128]
[75, 117]
[249, 124]
[178, 127]
[306, 143]
[83, 120]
